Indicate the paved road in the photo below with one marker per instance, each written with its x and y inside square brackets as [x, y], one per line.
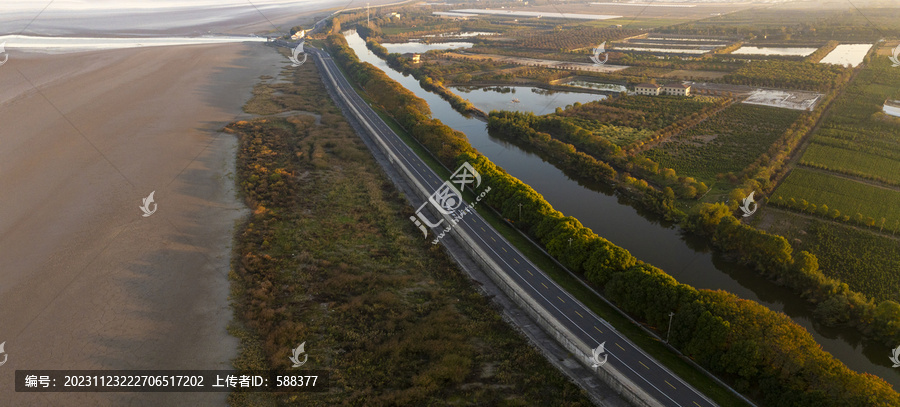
[640, 368]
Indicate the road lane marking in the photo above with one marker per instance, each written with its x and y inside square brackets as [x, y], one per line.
[579, 314]
[529, 272]
[482, 229]
[492, 238]
[598, 329]
[670, 384]
[504, 249]
[642, 364]
[545, 286]
[620, 346]
[560, 299]
[515, 260]
[695, 403]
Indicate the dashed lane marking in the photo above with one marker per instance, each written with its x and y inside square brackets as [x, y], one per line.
[516, 260]
[579, 314]
[598, 329]
[560, 299]
[529, 272]
[620, 346]
[670, 384]
[545, 286]
[504, 249]
[642, 364]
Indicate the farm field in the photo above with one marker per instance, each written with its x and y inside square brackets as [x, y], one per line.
[866, 261]
[856, 163]
[855, 139]
[644, 112]
[725, 143]
[857, 202]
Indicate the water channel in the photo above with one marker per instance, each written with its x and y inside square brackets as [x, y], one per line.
[649, 238]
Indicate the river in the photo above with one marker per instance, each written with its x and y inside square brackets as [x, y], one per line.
[648, 237]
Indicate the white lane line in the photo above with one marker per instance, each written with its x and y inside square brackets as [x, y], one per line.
[547, 301]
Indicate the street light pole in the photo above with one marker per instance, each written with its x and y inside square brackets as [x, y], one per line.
[671, 314]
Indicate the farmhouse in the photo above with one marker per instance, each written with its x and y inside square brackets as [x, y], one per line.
[647, 89]
[677, 89]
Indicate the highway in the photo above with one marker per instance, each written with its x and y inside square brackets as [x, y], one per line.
[644, 371]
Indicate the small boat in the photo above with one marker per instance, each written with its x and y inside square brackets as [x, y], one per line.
[515, 100]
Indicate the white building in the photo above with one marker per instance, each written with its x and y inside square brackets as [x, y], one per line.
[677, 89]
[651, 89]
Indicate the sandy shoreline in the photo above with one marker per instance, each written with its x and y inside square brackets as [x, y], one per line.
[86, 282]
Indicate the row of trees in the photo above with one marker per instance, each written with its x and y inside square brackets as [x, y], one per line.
[825, 212]
[820, 53]
[790, 74]
[758, 350]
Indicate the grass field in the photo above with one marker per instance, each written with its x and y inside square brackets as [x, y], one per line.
[329, 257]
[724, 143]
[854, 199]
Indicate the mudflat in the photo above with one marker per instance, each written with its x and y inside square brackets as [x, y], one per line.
[86, 281]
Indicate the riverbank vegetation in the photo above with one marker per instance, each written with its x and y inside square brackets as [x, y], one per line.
[759, 351]
[328, 258]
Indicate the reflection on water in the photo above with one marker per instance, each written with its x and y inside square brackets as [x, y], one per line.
[847, 54]
[420, 47]
[687, 258]
[522, 98]
[609, 87]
